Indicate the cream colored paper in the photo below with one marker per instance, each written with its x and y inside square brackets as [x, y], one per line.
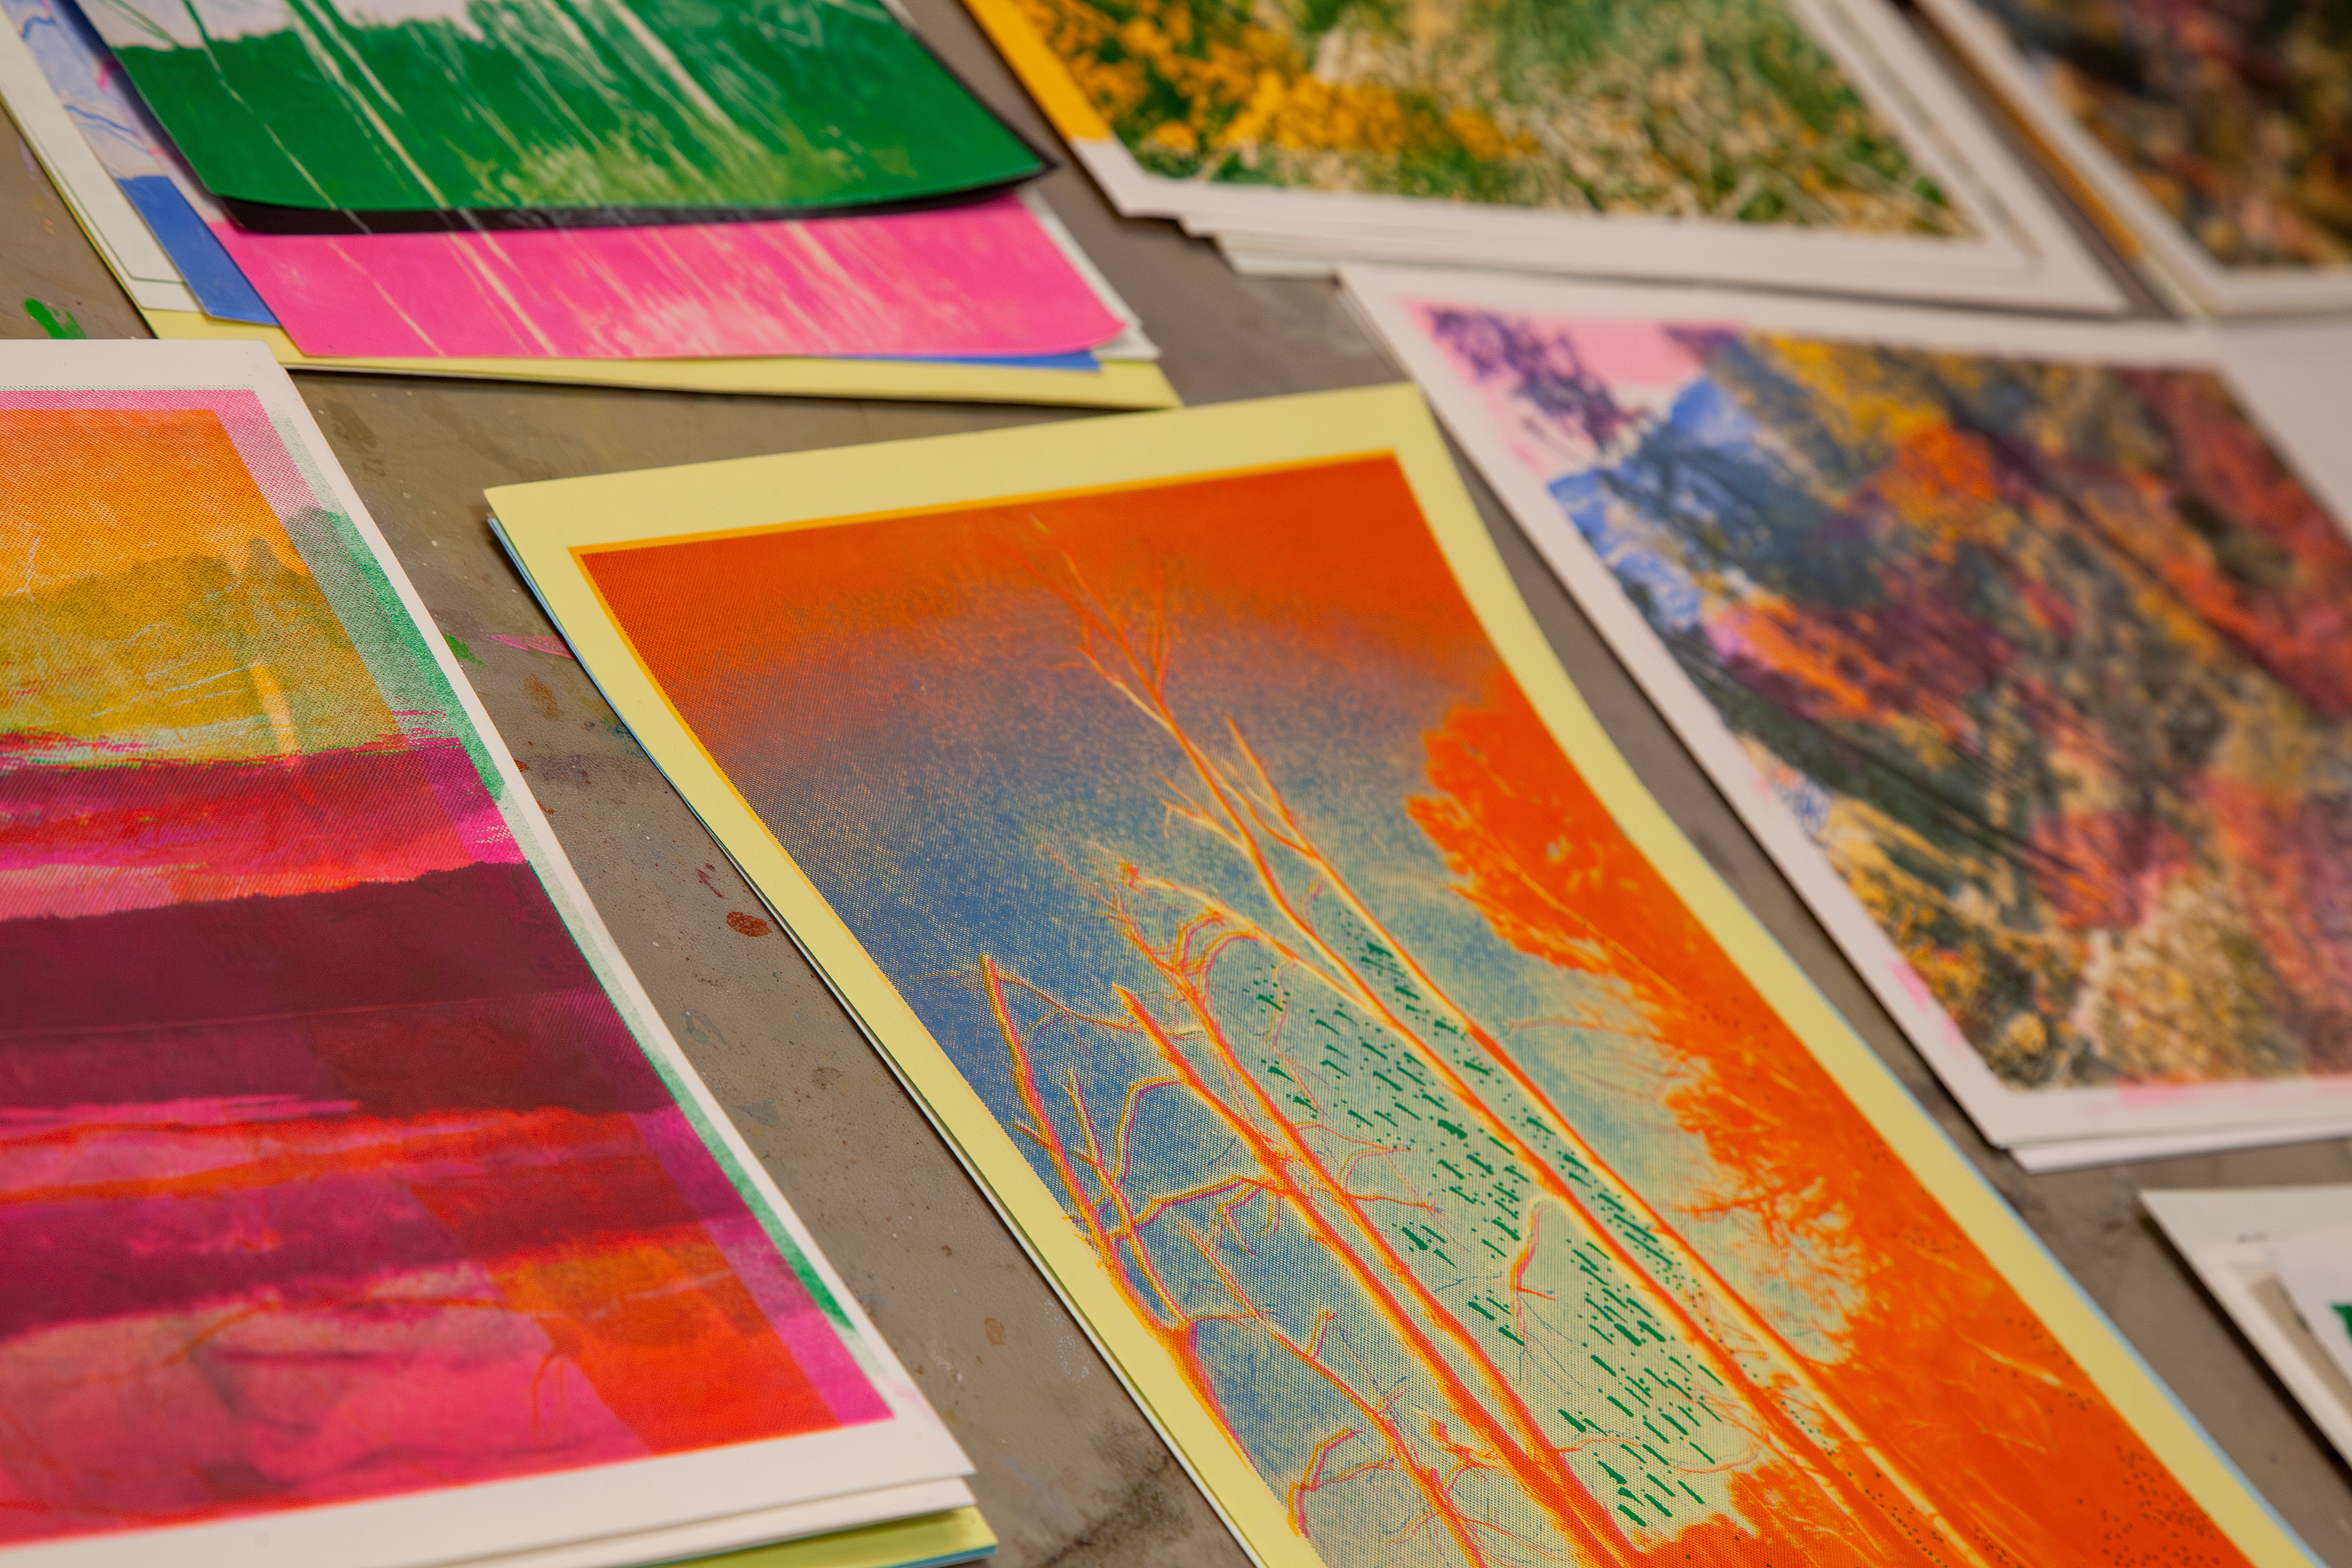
[940, 1538]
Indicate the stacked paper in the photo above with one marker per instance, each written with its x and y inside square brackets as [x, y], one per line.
[987, 296]
[359, 1209]
[2278, 1261]
[2211, 141]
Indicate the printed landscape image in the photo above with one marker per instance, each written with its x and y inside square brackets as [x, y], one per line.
[328, 1171]
[2236, 116]
[2053, 660]
[1718, 108]
[1414, 1122]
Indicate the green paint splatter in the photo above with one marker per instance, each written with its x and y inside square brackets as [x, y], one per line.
[59, 325]
[458, 648]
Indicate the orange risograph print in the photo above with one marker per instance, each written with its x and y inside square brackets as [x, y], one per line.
[1491, 1212]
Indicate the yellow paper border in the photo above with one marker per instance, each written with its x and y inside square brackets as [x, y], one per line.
[957, 1535]
[550, 523]
[1120, 383]
[1041, 71]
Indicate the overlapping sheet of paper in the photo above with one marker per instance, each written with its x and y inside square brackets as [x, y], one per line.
[996, 282]
[1807, 144]
[1191, 812]
[983, 280]
[2215, 141]
[359, 1208]
[2023, 647]
[1118, 384]
[2274, 1258]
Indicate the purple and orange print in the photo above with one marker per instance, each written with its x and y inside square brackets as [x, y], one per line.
[2050, 660]
[328, 1169]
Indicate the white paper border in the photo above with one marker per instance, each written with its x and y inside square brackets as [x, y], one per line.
[2181, 266]
[2222, 1234]
[115, 228]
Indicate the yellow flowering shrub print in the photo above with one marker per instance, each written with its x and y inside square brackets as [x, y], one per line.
[1713, 108]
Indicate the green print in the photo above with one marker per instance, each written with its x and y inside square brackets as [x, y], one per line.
[668, 105]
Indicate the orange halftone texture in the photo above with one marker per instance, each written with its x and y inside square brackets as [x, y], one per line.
[670, 1339]
[1291, 548]
[1953, 1375]
[87, 491]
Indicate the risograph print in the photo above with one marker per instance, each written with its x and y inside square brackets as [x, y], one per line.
[439, 105]
[328, 1170]
[2236, 118]
[2053, 660]
[1718, 108]
[1470, 1187]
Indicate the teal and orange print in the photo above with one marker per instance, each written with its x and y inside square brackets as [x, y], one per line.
[1464, 1179]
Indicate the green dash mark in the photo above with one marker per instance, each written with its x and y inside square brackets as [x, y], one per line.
[458, 648]
[60, 325]
[2344, 1311]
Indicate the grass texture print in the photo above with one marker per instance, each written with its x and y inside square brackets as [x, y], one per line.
[1716, 108]
[558, 106]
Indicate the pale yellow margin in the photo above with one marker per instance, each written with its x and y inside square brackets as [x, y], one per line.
[550, 523]
[1120, 383]
[1041, 71]
[957, 1535]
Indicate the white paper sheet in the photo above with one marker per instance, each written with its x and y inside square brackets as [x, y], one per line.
[2232, 1239]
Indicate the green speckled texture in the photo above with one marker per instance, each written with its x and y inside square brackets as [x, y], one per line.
[558, 104]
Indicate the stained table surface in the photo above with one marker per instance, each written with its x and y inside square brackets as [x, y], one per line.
[1069, 1473]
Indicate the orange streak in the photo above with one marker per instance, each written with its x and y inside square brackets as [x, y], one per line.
[1175, 1337]
[1241, 825]
[1525, 1451]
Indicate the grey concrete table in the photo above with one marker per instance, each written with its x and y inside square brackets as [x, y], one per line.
[1069, 1472]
